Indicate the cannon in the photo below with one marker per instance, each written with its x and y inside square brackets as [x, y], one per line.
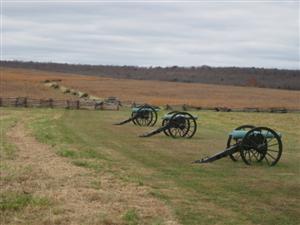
[251, 144]
[144, 115]
[176, 124]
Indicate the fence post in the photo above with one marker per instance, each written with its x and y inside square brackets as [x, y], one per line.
[51, 103]
[168, 107]
[77, 104]
[25, 102]
[68, 104]
[0, 101]
[16, 102]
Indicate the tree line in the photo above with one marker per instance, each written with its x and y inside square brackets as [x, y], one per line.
[240, 76]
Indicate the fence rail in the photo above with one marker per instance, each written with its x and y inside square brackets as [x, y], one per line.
[54, 103]
[228, 109]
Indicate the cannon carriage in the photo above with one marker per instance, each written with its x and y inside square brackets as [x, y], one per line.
[144, 115]
[176, 124]
[252, 145]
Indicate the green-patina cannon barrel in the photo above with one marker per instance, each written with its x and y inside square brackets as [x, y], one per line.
[240, 134]
[144, 109]
[169, 116]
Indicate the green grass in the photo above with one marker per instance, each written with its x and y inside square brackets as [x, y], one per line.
[7, 149]
[13, 201]
[67, 153]
[131, 217]
[91, 165]
[223, 192]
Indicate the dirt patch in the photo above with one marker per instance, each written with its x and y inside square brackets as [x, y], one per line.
[79, 195]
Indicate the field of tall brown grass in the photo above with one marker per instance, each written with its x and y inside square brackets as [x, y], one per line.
[25, 82]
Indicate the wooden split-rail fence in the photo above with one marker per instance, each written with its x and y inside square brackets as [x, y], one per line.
[228, 109]
[53, 103]
[115, 105]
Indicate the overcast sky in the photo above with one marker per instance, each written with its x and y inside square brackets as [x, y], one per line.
[216, 33]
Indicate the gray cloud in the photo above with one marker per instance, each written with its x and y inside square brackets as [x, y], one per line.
[229, 33]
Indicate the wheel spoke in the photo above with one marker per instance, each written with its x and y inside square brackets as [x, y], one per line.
[182, 132]
[273, 144]
[270, 140]
[267, 161]
[255, 156]
[249, 157]
[259, 156]
[172, 132]
[175, 132]
[272, 150]
[150, 118]
[271, 156]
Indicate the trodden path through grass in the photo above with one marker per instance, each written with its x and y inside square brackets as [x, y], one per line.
[78, 195]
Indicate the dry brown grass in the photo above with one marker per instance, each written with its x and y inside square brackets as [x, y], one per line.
[17, 82]
[28, 82]
[77, 195]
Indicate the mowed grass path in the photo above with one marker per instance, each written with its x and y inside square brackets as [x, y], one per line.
[223, 192]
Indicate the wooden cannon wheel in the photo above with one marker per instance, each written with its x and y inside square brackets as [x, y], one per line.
[183, 125]
[261, 141]
[146, 117]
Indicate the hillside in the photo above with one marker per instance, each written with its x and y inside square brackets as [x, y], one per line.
[255, 77]
[26, 82]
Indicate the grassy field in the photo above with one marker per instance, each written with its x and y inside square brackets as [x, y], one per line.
[223, 192]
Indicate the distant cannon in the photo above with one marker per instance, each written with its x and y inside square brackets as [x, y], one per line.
[252, 144]
[144, 115]
[176, 124]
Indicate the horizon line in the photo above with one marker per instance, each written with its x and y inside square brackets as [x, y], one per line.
[144, 66]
